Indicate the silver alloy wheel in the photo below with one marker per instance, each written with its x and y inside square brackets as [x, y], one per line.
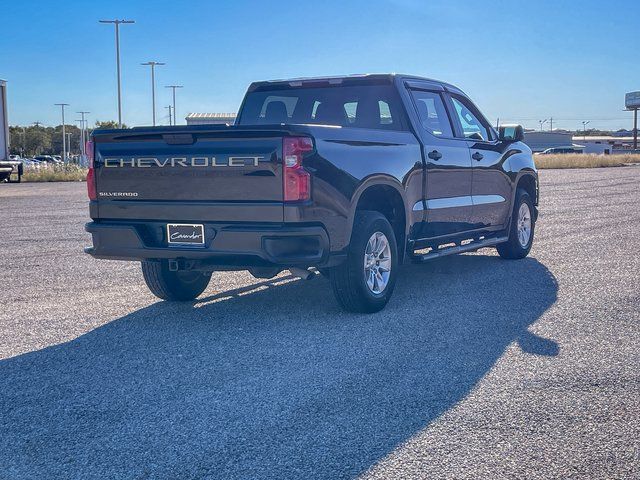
[377, 263]
[524, 225]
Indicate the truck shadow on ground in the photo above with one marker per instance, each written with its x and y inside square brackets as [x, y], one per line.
[271, 383]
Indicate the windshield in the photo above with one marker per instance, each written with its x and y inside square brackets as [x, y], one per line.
[363, 106]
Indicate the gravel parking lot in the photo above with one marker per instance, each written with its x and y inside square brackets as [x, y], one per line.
[478, 367]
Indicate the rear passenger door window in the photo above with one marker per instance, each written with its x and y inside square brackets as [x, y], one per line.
[432, 113]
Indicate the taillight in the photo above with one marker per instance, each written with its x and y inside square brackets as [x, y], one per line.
[296, 180]
[91, 176]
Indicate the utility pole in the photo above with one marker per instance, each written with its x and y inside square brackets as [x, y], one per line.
[169, 107]
[497, 123]
[551, 124]
[153, 86]
[117, 24]
[37, 124]
[175, 115]
[584, 129]
[64, 138]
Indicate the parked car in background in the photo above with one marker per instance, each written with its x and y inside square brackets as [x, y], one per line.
[26, 162]
[560, 150]
[46, 159]
[30, 163]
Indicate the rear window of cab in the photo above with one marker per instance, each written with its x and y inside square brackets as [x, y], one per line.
[363, 106]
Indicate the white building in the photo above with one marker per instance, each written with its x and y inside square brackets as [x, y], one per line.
[540, 141]
[604, 144]
[210, 118]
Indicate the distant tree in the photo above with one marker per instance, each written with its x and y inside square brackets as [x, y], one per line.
[108, 124]
[16, 141]
[37, 140]
[593, 132]
[73, 143]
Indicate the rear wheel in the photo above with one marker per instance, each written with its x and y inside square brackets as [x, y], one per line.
[19, 179]
[365, 281]
[169, 285]
[521, 229]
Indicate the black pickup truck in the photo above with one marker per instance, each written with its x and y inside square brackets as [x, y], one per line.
[351, 175]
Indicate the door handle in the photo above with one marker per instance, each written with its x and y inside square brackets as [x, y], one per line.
[435, 155]
[477, 156]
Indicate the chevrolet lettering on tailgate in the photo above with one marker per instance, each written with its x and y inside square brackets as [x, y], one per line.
[146, 162]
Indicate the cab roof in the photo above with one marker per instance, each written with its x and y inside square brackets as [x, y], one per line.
[355, 79]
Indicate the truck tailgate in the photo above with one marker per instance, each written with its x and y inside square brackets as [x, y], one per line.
[222, 174]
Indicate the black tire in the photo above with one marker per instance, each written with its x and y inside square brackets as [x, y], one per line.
[348, 279]
[20, 172]
[176, 286]
[513, 249]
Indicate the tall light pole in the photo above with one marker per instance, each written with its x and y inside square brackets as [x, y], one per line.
[117, 24]
[69, 143]
[584, 129]
[83, 135]
[81, 122]
[24, 141]
[542, 122]
[64, 137]
[153, 86]
[175, 116]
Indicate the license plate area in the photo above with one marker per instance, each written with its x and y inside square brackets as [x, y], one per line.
[185, 234]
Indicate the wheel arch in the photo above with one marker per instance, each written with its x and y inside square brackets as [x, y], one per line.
[386, 196]
[528, 180]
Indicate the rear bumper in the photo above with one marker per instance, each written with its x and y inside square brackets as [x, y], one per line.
[225, 244]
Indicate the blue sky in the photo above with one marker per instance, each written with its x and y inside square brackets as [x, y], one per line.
[520, 61]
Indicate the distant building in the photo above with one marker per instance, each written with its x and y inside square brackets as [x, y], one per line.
[540, 141]
[604, 144]
[210, 118]
[623, 133]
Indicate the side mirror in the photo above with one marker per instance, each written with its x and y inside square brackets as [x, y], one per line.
[511, 133]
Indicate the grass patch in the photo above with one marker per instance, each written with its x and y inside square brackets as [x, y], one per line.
[56, 173]
[576, 160]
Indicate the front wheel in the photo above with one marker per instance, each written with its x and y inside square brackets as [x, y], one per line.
[170, 285]
[365, 281]
[521, 228]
